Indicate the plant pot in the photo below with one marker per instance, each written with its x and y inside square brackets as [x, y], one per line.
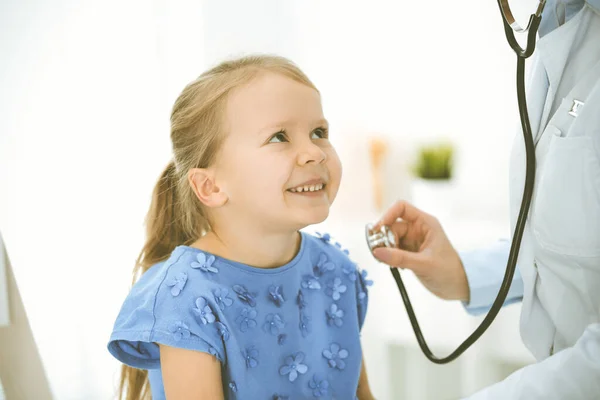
[434, 196]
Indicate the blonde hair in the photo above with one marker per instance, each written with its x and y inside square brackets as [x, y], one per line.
[176, 216]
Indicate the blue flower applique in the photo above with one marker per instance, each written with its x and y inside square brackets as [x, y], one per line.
[222, 298]
[233, 387]
[213, 351]
[320, 387]
[273, 324]
[323, 265]
[361, 297]
[246, 319]
[223, 331]
[305, 325]
[362, 294]
[367, 282]
[205, 264]
[335, 356]
[326, 237]
[244, 295]
[335, 315]
[180, 330]
[301, 301]
[335, 288]
[293, 366]
[177, 283]
[280, 397]
[310, 282]
[251, 357]
[281, 339]
[276, 295]
[350, 271]
[204, 311]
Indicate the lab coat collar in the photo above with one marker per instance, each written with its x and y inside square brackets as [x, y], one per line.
[554, 47]
[595, 4]
[559, 12]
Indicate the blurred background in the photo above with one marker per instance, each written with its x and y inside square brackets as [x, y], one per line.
[86, 91]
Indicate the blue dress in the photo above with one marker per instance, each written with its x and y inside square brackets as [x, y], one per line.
[291, 332]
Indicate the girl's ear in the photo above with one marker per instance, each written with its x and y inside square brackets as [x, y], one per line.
[204, 186]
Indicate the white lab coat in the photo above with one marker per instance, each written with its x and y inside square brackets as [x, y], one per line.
[559, 261]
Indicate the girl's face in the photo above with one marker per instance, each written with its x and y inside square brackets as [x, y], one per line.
[277, 142]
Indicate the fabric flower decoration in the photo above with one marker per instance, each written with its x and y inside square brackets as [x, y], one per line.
[204, 263]
[320, 387]
[273, 323]
[281, 339]
[305, 326]
[222, 298]
[326, 237]
[301, 301]
[212, 351]
[246, 319]
[323, 265]
[335, 288]
[244, 295]
[276, 295]
[177, 283]
[204, 311]
[293, 366]
[223, 331]
[179, 330]
[362, 296]
[335, 356]
[251, 357]
[233, 387]
[310, 282]
[335, 315]
[367, 282]
[350, 271]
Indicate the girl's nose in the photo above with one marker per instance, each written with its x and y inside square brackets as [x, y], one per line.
[311, 153]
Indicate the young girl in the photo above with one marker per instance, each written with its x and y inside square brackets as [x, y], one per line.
[234, 301]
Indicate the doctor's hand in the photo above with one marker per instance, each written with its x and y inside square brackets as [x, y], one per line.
[425, 249]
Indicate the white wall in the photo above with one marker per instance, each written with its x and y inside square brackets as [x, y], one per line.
[87, 88]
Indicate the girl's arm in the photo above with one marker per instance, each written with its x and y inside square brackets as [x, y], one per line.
[190, 375]
[364, 391]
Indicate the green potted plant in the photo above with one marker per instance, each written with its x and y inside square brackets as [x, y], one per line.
[435, 161]
[433, 171]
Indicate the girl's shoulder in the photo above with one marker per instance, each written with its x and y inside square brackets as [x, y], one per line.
[331, 255]
[172, 275]
[170, 305]
[326, 246]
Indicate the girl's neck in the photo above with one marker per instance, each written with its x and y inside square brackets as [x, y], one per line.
[253, 249]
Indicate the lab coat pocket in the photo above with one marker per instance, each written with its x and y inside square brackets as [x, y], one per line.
[566, 210]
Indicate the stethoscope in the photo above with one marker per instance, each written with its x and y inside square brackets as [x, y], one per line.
[386, 237]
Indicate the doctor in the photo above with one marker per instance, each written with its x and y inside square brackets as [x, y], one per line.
[558, 270]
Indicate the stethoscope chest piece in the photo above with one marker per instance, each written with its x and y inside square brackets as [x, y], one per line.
[384, 237]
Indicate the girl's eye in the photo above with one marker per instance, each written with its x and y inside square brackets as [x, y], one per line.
[279, 137]
[322, 132]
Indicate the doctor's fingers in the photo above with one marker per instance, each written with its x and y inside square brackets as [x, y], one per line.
[410, 235]
[415, 261]
[405, 211]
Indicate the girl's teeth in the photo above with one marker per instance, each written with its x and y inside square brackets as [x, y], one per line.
[301, 189]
